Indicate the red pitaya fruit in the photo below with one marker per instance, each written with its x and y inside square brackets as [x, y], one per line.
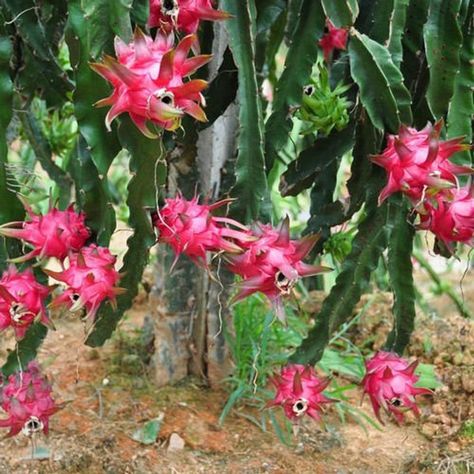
[52, 235]
[190, 228]
[450, 216]
[90, 278]
[22, 301]
[335, 38]
[417, 162]
[390, 383]
[148, 80]
[27, 400]
[272, 263]
[299, 392]
[184, 15]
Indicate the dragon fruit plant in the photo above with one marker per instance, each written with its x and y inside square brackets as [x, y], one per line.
[299, 391]
[390, 383]
[53, 235]
[90, 278]
[22, 301]
[26, 398]
[449, 215]
[334, 39]
[148, 77]
[191, 229]
[272, 263]
[183, 15]
[323, 108]
[147, 66]
[418, 162]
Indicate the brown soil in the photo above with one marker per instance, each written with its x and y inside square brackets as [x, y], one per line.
[92, 434]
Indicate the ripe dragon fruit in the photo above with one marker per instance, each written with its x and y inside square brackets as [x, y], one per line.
[450, 216]
[190, 228]
[272, 263]
[335, 38]
[299, 392]
[184, 15]
[90, 279]
[148, 81]
[52, 235]
[27, 401]
[22, 301]
[417, 162]
[390, 383]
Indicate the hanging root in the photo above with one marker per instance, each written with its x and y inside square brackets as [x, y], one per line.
[219, 300]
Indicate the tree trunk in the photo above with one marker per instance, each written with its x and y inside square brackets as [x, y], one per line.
[189, 307]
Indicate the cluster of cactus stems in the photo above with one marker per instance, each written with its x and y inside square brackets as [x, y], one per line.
[392, 63]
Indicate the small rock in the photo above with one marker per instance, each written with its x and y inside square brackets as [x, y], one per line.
[410, 418]
[468, 360]
[467, 381]
[299, 448]
[433, 418]
[458, 358]
[456, 383]
[445, 420]
[176, 443]
[454, 447]
[429, 430]
[437, 409]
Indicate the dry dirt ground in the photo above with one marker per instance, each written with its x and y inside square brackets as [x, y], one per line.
[92, 434]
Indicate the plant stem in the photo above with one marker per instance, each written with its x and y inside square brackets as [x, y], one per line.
[445, 287]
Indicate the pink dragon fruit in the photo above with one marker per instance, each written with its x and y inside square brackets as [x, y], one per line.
[335, 38]
[417, 162]
[184, 15]
[272, 263]
[299, 392]
[148, 81]
[27, 401]
[22, 301]
[52, 235]
[90, 279]
[190, 228]
[450, 216]
[390, 383]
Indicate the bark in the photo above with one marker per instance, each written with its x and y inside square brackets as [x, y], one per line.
[189, 307]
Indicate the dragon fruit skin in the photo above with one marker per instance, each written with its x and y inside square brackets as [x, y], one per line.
[390, 383]
[147, 78]
[450, 216]
[335, 38]
[299, 392]
[272, 263]
[22, 301]
[417, 162]
[27, 400]
[191, 229]
[52, 235]
[184, 15]
[90, 279]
